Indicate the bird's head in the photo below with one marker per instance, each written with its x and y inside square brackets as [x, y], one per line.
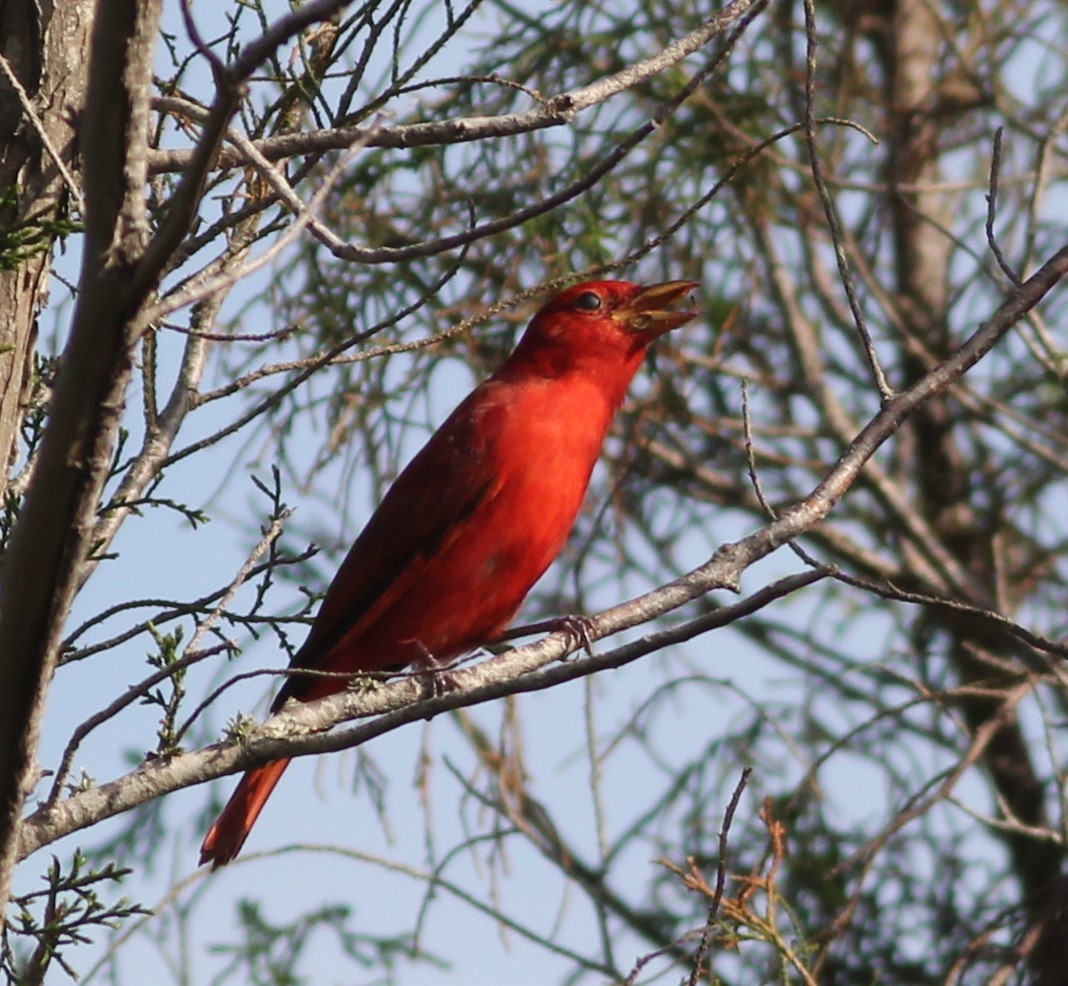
[610, 322]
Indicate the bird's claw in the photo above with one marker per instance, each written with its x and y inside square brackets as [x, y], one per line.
[581, 628]
[440, 680]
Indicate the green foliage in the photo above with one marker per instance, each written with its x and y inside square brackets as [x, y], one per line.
[240, 727]
[32, 236]
[45, 925]
[31, 426]
[169, 695]
[289, 953]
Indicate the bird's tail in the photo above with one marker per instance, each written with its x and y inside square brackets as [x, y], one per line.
[226, 837]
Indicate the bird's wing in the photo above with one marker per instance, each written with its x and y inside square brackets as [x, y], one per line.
[419, 518]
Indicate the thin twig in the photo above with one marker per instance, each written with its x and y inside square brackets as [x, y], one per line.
[192, 655]
[758, 487]
[123, 701]
[885, 390]
[725, 179]
[750, 454]
[270, 172]
[198, 290]
[705, 946]
[555, 111]
[992, 210]
[919, 806]
[218, 68]
[31, 113]
[1044, 645]
[327, 358]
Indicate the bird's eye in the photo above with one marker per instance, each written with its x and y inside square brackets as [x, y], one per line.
[587, 301]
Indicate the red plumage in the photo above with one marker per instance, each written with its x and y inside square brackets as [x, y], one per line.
[478, 515]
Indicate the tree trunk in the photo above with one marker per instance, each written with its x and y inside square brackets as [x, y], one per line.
[44, 47]
[924, 105]
[52, 537]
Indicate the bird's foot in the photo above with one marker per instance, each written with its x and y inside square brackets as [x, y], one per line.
[435, 673]
[581, 628]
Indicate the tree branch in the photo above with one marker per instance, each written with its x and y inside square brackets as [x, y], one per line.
[555, 111]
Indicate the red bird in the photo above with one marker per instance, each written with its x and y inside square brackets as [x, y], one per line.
[477, 516]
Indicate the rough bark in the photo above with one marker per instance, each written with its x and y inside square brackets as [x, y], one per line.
[43, 45]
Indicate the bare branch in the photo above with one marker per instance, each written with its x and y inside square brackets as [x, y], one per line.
[992, 211]
[844, 269]
[705, 947]
[553, 111]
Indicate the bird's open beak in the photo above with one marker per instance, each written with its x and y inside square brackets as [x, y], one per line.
[647, 311]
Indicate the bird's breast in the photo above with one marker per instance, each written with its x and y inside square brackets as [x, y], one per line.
[545, 446]
[541, 447]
